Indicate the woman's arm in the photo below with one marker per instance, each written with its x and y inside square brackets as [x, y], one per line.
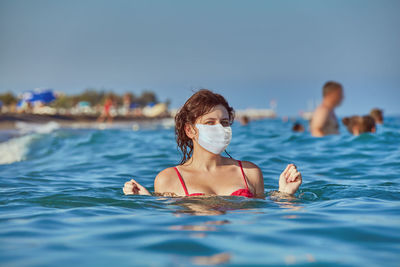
[164, 185]
[289, 181]
[255, 177]
[167, 183]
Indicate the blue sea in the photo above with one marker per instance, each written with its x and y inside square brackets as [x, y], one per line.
[61, 199]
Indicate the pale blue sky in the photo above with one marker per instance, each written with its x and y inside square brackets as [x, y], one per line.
[250, 51]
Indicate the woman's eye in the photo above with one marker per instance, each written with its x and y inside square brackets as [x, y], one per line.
[210, 123]
[225, 123]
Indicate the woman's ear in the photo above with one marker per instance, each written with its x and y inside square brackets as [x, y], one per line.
[190, 130]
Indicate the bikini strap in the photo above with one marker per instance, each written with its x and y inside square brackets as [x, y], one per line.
[182, 182]
[244, 176]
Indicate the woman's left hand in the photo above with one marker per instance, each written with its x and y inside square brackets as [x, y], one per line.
[134, 188]
[290, 180]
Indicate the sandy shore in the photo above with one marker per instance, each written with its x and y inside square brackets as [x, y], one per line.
[8, 120]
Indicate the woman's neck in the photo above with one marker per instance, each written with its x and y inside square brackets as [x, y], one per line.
[204, 160]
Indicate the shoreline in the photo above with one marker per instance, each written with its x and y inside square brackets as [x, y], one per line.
[8, 121]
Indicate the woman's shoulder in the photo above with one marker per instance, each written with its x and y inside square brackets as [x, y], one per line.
[245, 164]
[252, 171]
[249, 165]
[166, 180]
[166, 175]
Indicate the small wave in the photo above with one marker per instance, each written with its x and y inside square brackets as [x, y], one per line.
[25, 128]
[15, 149]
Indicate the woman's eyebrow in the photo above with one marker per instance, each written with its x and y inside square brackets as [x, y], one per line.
[211, 118]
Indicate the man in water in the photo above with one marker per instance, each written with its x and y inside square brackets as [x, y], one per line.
[324, 121]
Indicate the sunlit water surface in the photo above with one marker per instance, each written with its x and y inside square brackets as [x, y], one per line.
[61, 200]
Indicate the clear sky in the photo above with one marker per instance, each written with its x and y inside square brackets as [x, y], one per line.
[250, 51]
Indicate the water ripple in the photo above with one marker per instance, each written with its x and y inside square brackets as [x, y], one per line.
[61, 201]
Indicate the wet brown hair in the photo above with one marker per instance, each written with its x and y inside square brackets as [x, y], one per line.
[330, 86]
[199, 104]
[365, 124]
[377, 114]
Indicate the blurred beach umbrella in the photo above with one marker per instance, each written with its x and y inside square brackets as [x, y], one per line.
[41, 95]
[83, 104]
[84, 107]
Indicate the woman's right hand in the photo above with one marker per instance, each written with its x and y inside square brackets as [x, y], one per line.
[134, 188]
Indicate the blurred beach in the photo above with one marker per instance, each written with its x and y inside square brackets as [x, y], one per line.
[92, 109]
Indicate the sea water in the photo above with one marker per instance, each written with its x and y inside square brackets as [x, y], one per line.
[61, 199]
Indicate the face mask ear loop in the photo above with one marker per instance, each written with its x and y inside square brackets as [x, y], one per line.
[228, 154]
[196, 131]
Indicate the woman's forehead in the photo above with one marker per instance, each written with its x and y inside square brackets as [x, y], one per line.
[218, 111]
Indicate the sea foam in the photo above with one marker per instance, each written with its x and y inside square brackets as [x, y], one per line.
[16, 149]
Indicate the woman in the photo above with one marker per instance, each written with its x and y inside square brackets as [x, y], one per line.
[202, 128]
[357, 125]
[105, 114]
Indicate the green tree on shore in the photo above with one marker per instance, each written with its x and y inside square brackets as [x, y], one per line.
[8, 98]
[147, 97]
[90, 95]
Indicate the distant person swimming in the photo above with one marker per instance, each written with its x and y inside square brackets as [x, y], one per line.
[357, 125]
[377, 114]
[324, 121]
[202, 129]
[244, 120]
[298, 127]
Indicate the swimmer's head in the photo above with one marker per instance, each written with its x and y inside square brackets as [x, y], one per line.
[244, 120]
[333, 93]
[377, 114]
[357, 125]
[203, 107]
[298, 127]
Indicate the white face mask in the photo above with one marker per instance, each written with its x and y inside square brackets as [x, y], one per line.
[214, 138]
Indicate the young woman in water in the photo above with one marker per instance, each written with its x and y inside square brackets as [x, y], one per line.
[357, 125]
[202, 128]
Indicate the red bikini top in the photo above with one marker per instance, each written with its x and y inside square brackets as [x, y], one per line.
[244, 192]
